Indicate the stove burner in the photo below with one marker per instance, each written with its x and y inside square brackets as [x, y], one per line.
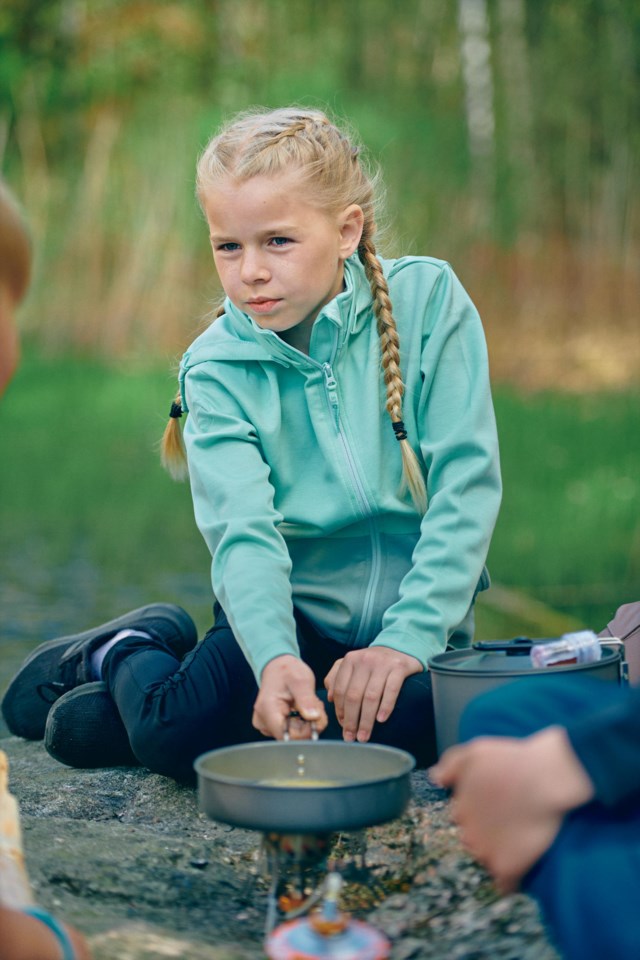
[296, 863]
[327, 933]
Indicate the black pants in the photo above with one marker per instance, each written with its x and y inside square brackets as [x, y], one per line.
[174, 711]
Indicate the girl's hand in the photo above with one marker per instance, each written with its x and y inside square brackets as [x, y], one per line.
[510, 797]
[364, 686]
[287, 684]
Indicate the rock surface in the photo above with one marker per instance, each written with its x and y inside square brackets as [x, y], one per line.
[125, 856]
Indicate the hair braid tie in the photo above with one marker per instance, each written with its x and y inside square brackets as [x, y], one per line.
[399, 430]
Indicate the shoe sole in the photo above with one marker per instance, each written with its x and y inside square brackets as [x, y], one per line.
[84, 729]
[26, 716]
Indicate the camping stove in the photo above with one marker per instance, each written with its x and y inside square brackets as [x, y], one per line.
[298, 795]
[304, 920]
[296, 864]
[327, 933]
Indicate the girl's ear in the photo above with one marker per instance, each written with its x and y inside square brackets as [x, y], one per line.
[351, 223]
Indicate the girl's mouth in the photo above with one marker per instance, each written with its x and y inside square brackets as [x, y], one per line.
[262, 305]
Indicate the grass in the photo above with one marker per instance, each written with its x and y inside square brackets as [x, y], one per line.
[81, 479]
[569, 530]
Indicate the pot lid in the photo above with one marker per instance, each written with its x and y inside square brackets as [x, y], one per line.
[499, 657]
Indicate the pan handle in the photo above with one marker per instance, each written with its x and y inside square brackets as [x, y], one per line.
[294, 713]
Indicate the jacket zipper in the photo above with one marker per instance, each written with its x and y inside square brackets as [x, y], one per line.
[331, 389]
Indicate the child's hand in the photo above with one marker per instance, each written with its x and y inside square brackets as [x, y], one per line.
[510, 797]
[364, 686]
[22, 937]
[287, 684]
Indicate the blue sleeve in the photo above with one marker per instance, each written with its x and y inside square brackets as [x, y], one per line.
[607, 743]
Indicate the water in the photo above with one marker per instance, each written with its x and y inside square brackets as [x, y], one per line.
[40, 601]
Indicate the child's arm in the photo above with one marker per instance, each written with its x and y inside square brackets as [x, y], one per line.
[287, 684]
[448, 398]
[234, 507]
[26, 931]
[23, 937]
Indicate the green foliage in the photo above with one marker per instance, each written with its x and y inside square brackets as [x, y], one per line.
[104, 106]
[81, 478]
[569, 530]
[566, 115]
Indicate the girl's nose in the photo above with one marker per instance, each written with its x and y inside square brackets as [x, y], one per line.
[253, 268]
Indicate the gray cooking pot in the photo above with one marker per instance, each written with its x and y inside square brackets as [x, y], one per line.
[458, 676]
[304, 786]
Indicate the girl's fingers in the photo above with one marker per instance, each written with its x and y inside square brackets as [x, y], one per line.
[330, 679]
[299, 729]
[361, 702]
[392, 688]
[305, 717]
[445, 772]
[340, 682]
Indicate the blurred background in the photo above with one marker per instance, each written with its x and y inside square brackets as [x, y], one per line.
[508, 132]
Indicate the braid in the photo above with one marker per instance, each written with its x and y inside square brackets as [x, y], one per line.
[173, 454]
[389, 339]
[308, 124]
[390, 350]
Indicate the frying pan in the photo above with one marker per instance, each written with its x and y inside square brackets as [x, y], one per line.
[304, 786]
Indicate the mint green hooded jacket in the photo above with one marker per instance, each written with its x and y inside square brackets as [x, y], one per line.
[296, 473]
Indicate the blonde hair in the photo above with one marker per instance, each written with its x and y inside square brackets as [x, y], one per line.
[331, 168]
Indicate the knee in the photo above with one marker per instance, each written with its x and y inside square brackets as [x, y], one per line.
[163, 749]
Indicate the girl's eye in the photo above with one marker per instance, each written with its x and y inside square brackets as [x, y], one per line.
[228, 247]
[280, 241]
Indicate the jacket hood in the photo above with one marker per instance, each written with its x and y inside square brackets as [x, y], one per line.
[235, 336]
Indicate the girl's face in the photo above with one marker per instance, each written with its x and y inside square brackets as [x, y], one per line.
[280, 259]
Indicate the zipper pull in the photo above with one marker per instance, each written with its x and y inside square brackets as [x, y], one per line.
[331, 387]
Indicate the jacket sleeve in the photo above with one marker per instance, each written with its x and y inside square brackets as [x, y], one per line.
[607, 743]
[234, 510]
[455, 423]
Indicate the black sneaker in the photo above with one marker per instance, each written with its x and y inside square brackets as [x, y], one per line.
[84, 729]
[58, 666]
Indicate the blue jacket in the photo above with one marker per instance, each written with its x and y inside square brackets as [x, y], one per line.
[296, 472]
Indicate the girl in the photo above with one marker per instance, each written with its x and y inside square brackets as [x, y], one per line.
[342, 453]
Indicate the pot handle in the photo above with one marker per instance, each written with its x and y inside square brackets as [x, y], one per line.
[518, 647]
[521, 647]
